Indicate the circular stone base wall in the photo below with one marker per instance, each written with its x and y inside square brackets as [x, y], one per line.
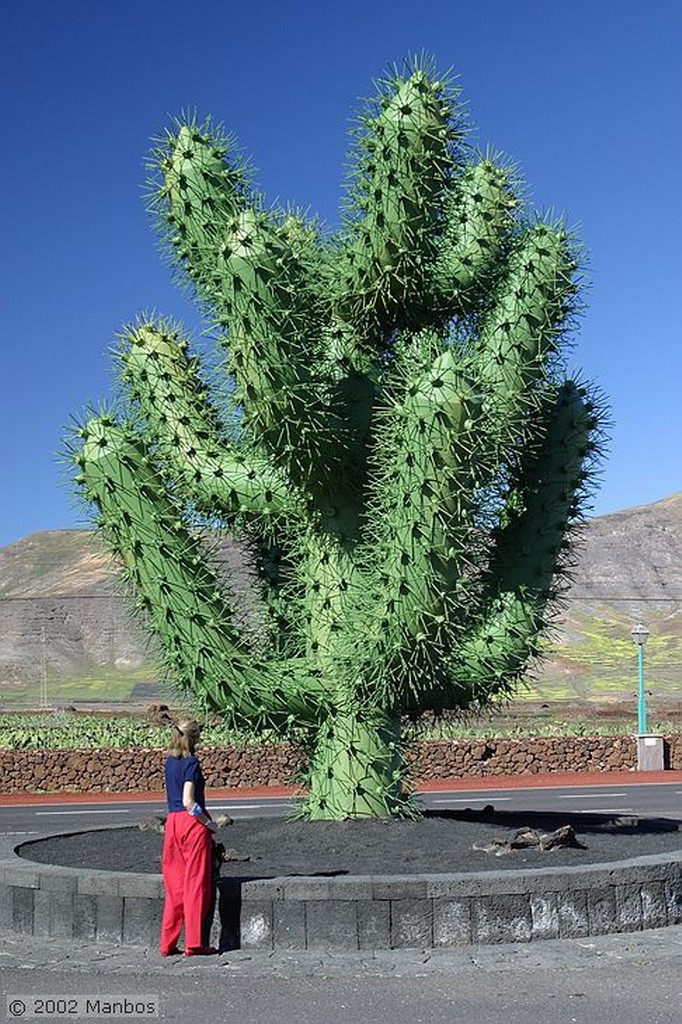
[427, 911]
[348, 912]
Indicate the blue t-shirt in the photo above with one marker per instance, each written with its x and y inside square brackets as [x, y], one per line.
[180, 770]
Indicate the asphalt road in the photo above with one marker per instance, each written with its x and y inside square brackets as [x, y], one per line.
[616, 996]
[649, 799]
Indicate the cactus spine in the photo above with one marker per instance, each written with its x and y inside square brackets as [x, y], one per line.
[399, 438]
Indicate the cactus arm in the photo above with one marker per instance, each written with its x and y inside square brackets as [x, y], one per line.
[273, 340]
[420, 539]
[478, 223]
[218, 476]
[526, 564]
[422, 526]
[524, 324]
[405, 157]
[203, 187]
[187, 612]
[186, 432]
[545, 490]
[253, 270]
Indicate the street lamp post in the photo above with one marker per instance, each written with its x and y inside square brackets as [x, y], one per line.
[639, 634]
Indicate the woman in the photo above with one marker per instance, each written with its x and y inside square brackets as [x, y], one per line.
[187, 846]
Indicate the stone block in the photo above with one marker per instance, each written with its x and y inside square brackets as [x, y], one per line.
[226, 916]
[22, 877]
[583, 879]
[507, 883]
[643, 870]
[54, 881]
[399, 887]
[307, 889]
[411, 924]
[544, 915]
[141, 921]
[602, 917]
[256, 925]
[452, 922]
[502, 918]
[215, 933]
[61, 914]
[22, 910]
[673, 899]
[263, 889]
[628, 908]
[288, 924]
[331, 925]
[6, 905]
[573, 922]
[654, 905]
[98, 883]
[353, 887]
[109, 918]
[84, 917]
[41, 912]
[447, 887]
[148, 887]
[374, 924]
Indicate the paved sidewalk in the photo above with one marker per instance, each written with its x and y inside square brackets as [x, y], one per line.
[663, 945]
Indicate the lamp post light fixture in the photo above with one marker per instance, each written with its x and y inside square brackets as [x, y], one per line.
[640, 634]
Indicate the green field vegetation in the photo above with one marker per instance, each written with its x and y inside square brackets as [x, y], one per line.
[575, 727]
[592, 664]
[597, 664]
[106, 685]
[63, 730]
[71, 731]
[597, 660]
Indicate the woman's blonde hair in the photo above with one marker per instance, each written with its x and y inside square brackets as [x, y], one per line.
[184, 737]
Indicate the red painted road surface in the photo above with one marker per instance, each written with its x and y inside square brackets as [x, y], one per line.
[540, 781]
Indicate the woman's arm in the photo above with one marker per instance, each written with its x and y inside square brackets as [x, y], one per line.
[193, 808]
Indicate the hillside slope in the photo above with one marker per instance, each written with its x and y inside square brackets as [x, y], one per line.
[629, 570]
[64, 624]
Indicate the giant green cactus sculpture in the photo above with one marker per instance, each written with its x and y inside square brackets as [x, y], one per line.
[398, 440]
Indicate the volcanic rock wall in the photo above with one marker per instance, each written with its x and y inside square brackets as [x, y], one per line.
[141, 771]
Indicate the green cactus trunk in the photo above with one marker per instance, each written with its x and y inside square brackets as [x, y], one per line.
[397, 439]
[355, 768]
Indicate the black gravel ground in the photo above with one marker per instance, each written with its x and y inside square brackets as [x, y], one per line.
[440, 842]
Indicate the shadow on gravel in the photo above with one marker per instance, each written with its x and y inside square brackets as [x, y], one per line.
[549, 821]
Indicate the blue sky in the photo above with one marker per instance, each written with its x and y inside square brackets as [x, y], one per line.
[583, 96]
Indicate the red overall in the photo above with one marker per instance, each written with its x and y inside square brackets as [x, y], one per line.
[186, 868]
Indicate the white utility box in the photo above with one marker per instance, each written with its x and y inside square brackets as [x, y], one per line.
[649, 753]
